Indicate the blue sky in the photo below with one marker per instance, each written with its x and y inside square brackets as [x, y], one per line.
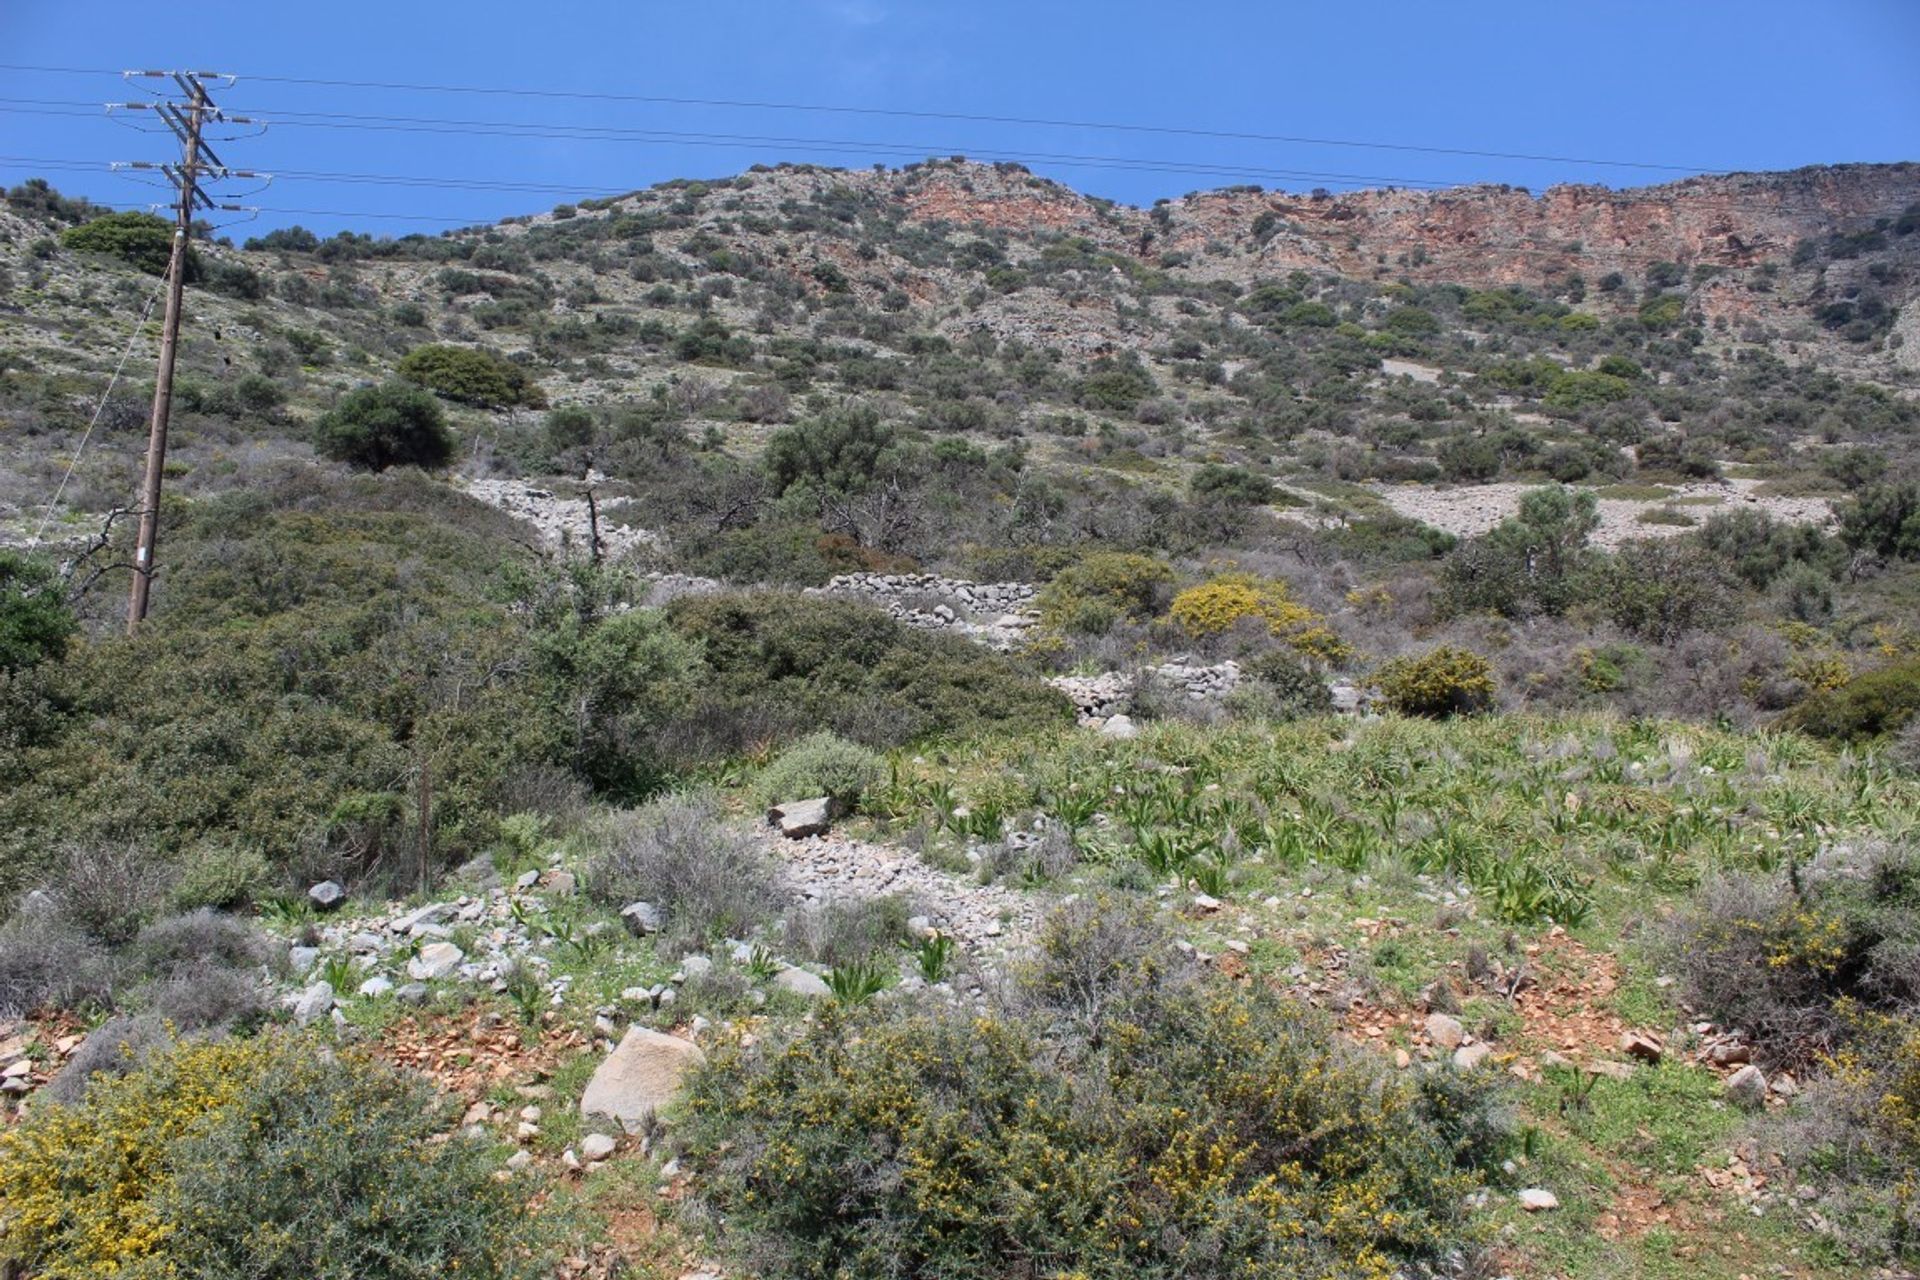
[1687, 84]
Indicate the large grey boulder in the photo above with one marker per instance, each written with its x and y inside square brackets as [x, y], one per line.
[327, 895]
[313, 1004]
[800, 818]
[640, 1077]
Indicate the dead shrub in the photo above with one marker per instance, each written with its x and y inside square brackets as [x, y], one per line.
[708, 881]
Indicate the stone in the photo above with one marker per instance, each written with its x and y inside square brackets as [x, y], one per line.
[798, 819]
[1119, 726]
[326, 895]
[1730, 1053]
[313, 1004]
[695, 967]
[641, 918]
[431, 914]
[1643, 1045]
[376, 987]
[1747, 1086]
[1469, 1056]
[436, 960]
[638, 1078]
[519, 1159]
[1445, 1031]
[1538, 1200]
[561, 883]
[413, 993]
[1611, 1070]
[598, 1146]
[802, 983]
[302, 959]
[526, 880]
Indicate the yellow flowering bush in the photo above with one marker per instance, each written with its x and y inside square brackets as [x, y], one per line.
[1184, 1126]
[1443, 682]
[1219, 603]
[264, 1158]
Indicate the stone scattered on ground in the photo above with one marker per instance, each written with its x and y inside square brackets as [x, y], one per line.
[326, 895]
[641, 918]
[1538, 1200]
[598, 1146]
[639, 1078]
[1747, 1086]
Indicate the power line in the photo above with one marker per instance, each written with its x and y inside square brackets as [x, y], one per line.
[967, 117]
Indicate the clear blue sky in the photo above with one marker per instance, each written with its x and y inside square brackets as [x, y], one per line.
[1696, 84]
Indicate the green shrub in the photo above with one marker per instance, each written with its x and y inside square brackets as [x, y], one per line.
[35, 622]
[776, 665]
[392, 425]
[1442, 682]
[1865, 707]
[1531, 563]
[1658, 589]
[1199, 1131]
[838, 451]
[471, 376]
[141, 240]
[216, 873]
[821, 764]
[267, 1159]
[1297, 690]
[1104, 587]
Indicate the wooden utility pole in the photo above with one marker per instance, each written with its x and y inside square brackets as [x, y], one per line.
[186, 119]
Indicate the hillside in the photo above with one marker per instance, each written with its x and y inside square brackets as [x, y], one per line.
[917, 722]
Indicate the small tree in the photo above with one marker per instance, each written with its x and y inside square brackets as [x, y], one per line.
[838, 451]
[470, 376]
[385, 426]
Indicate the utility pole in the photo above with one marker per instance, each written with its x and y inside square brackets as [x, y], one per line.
[186, 119]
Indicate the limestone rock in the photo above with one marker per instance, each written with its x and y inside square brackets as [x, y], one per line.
[802, 983]
[1445, 1031]
[1538, 1200]
[436, 960]
[326, 895]
[1747, 1086]
[641, 918]
[313, 1004]
[799, 818]
[639, 1077]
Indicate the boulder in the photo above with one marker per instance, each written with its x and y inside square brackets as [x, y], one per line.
[641, 918]
[413, 993]
[1643, 1045]
[376, 987]
[800, 818]
[1747, 1086]
[639, 1077]
[1119, 726]
[313, 1004]
[802, 983]
[560, 883]
[1445, 1031]
[326, 895]
[436, 960]
[1538, 1200]
[1469, 1056]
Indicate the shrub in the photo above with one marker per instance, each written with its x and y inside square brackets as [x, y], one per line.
[1865, 707]
[821, 764]
[1529, 564]
[1853, 1143]
[141, 240]
[1297, 690]
[838, 451]
[48, 962]
[775, 665]
[1659, 588]
[35, 622]
[848, 932]
[1442, 682]
[708, 881]
[1198, 1133]
[391, 425]
[471, 376]
[218, 873]
[1223, 601]
[268, 1159]
[1089, 597]
[1789, 958]
[1884, 520]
